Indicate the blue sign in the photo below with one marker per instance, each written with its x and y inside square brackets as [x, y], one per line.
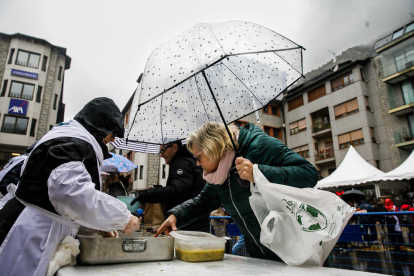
[24, 74]
[18, 106]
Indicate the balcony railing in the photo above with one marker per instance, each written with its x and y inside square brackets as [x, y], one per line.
[27, 64]
[402, 137]
[323, 154]
[398, 58]
[319, 126]
[18, 95]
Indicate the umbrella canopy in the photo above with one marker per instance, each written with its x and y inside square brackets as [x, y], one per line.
[353, 194]
[211, 73]
[123, 144]
[352, 171]
[404, 171]
[117, 163]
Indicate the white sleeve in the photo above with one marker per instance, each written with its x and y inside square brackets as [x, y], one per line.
[73, 194]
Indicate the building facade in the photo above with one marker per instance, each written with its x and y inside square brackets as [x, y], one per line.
[32, 75]
[394, 73]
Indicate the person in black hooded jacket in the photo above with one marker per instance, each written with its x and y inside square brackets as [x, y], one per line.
[185, 181]
[59, 190]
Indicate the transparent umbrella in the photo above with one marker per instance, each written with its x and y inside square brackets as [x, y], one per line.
[211, 73]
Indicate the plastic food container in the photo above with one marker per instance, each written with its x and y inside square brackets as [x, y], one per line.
[192, 246]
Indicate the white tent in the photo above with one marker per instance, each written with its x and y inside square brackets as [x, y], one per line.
[404, 171]
[354, 170]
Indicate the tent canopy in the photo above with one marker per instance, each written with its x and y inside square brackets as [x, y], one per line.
[404, 171]
[353, 170]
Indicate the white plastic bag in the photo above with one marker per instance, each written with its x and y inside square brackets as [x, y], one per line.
[300, 225]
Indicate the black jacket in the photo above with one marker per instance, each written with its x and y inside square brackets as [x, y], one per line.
[185, 181]
[100, 117]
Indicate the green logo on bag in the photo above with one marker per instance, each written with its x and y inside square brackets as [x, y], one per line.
[310, 218]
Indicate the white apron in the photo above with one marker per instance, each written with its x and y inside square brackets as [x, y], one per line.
[33, 238]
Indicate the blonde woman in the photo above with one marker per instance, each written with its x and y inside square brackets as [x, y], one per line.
[214, 152]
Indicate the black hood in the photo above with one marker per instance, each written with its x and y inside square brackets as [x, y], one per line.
[100, 117]
[181, 152]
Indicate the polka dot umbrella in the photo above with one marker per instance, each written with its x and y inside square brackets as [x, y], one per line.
[117, 163]
[215, 72]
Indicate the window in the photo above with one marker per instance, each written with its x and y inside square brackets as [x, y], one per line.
[55, 101]
[136, 173]
[377, 163]
[404, 58]
[3, 90]
[28, 59]
[397, 33]
[11, 56]
[302, 151]
[239, 123]
[44, 63]
[39, 93]
[163, 171]
[408, 92]
[50, 127]
[141, 172]
[342, 81]
[362, 74]
[21, 90]
[295, 103]
[354, 138]
[60, 73]
[33, 127]
[373, 135]
[129, 156]
[271, 110]
[367, 103]
[15, 125]
[297, 126]
[410, 120]
[409, 28]
[347, 108]
[316, 93]
[273, 132]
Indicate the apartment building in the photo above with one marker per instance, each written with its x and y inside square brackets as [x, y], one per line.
[339, 108]
[394, 72]
[32, 73]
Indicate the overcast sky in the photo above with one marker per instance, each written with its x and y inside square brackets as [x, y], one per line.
[110, 41]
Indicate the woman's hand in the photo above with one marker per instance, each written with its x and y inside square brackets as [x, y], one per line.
[132, 226]
[245, 169]
[168, 226]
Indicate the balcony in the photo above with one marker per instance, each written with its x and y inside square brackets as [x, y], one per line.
[324, 156]
[320, 129]
[404, 140]
[404, 104]
[398, 62]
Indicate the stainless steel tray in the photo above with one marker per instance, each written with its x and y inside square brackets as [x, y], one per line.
[136, 247]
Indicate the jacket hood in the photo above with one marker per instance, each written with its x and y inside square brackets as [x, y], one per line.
[100, 117]
[248, 133]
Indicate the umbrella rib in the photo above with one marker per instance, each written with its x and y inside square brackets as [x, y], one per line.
[208, 117]
[290, 65]
[162, 136]
[216, 39]
[219, 110]
[243, 83]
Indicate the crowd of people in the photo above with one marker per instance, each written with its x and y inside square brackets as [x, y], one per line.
[395, 230]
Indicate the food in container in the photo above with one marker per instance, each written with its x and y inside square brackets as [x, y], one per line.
[192, 246]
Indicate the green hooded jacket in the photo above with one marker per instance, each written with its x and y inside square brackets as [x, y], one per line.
[278, 164]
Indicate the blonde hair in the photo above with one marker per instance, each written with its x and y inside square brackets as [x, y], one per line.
[212, 139]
